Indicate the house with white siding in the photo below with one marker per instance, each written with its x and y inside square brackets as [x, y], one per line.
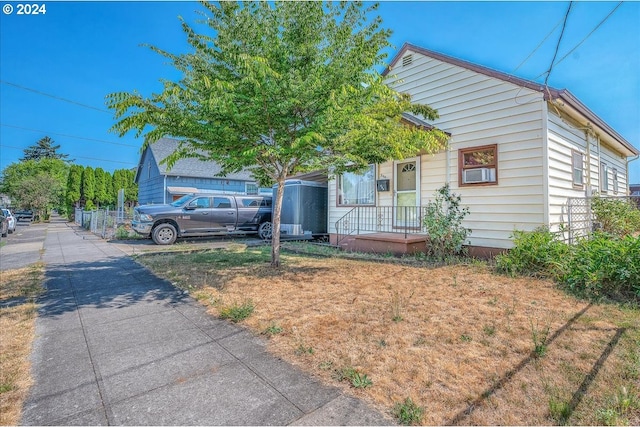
[517, 152]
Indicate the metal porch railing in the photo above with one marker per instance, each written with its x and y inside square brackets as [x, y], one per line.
[381, 219]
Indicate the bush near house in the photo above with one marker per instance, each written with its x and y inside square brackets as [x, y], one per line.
[605, 266]
[601, 266]
[443, 221]
[538, 253]
[619, 217]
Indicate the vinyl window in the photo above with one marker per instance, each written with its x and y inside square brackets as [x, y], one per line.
[577, 162]
[604, 178]
[357, 189]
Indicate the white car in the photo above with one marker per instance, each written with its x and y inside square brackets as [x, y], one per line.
[11, 218]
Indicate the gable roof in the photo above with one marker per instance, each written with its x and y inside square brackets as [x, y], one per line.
[188, 167]
[549, 93]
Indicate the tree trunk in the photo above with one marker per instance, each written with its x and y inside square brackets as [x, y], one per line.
[277, 210]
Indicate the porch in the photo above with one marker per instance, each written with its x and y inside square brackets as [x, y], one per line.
[396, 230]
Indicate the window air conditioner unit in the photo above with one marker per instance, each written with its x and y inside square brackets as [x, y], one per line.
[473, 176]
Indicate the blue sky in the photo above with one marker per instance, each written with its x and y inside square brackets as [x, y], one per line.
[81, 51]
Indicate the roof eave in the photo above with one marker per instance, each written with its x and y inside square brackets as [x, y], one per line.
[549, 92]
[569, 99]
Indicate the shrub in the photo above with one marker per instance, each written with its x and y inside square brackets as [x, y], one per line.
[616, 216]
[605, 266]
[443, 221]
[537, 253]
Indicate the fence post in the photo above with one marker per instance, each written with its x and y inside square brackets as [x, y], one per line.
[104, 223]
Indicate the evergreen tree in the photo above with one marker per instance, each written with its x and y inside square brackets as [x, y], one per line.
[74, 185]
[43, 149]
[88, 187]
[100, 195]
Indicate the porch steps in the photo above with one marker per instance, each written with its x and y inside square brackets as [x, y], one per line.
[392, 243]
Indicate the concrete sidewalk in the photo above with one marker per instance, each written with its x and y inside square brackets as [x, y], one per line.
[117, 345]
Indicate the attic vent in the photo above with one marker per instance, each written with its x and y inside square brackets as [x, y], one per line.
[407, 60]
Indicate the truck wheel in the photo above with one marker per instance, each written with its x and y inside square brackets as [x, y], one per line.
[164, 234]
[265, 230]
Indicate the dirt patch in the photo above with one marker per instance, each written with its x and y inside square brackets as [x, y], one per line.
[468, 346]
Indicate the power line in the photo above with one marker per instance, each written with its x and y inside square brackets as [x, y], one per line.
[537, 47]
[564, 26]
[589, 35]
[68, 136]
[54, 96]
[78, 157]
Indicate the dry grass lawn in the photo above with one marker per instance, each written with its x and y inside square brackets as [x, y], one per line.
[459, 341]
[18, 288]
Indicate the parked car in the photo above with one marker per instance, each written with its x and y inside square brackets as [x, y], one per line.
[204, 214]
[24, 214]
[4, 225]
[11, 218]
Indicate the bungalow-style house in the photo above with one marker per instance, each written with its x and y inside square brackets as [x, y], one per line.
[159, 184]
[517, 152]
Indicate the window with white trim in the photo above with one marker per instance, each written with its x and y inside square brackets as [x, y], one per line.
[577, 162]
[251, 188]
[357, 189]
[614, 172]
[604, 177]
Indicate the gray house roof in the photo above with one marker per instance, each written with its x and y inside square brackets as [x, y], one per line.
[193, 168]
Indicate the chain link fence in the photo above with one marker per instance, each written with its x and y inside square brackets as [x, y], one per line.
[105, 223]
[581, 220]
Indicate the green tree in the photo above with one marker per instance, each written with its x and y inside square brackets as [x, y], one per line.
[130, 189]
[281, 88]
[124, 178]
[101, 196]
[43, 149]
[88, 187]
[74, 185]
[21, 181]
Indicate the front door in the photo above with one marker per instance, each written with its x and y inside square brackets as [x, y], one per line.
[407, 190]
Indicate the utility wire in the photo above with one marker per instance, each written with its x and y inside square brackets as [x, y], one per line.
[69, 136]
[564, 26]
[54, 96]
[78, 157]
[589, 35]
[537, 47]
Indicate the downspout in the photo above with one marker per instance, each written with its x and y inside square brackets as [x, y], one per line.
[164, 193]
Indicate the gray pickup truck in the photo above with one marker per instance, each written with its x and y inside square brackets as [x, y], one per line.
[204, 215]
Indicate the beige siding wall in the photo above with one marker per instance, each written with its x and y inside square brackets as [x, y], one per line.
[564, 137]
[479, 110]
[614, 161]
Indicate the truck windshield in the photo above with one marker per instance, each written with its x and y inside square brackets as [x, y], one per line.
[181, 201]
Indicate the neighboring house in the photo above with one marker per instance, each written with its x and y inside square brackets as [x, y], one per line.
[634, 189]
[159, 184]
[518, 151]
